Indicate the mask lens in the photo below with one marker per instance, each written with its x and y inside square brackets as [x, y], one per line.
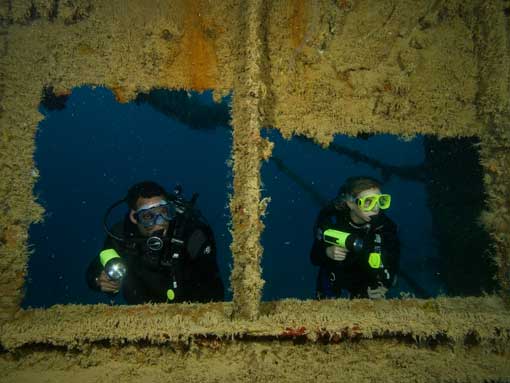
[146, 216]
[165, 211]
[367, 203]
[153, 215]
[384, 201]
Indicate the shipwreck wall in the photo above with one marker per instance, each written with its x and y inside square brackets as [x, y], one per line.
[316, 68]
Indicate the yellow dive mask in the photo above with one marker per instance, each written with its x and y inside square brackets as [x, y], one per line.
[368, 202]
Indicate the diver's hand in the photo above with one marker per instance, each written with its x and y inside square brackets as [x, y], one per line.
[377, 293]
[106, 285]
[336, 253]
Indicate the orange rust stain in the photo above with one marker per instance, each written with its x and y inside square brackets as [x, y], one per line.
[62, 92]
[297, 22]
[344, 4]
[197, 46]
[387, 87]
[492, 166]
[120, 94]
[291, 332]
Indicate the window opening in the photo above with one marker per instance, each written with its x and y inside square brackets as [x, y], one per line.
[91, 149]
[436, 205]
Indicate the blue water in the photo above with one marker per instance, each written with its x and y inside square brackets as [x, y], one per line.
[89, 153]
[292, 212]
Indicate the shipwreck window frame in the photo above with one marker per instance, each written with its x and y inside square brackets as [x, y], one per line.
[120, 58]
[27, 256]
[60, 320]
[110, 113]
[305, 182]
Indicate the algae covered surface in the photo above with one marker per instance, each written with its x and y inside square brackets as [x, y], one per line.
[349, 66]
[315, 68]
[262, 362]
[433, 340]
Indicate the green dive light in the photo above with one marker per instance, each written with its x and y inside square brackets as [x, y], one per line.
[353, 243]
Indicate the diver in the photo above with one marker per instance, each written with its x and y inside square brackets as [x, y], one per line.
[356, 245]
[163, 250]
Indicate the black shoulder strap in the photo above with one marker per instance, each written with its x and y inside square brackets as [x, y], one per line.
[179, 231]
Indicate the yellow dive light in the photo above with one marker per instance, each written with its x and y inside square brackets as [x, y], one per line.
[352, 243]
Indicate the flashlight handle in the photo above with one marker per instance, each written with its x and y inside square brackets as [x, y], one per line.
[355, 244]
[343, 239]
[336, 237]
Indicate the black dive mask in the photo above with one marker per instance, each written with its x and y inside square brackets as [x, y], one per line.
[154, 215]
[177, 207]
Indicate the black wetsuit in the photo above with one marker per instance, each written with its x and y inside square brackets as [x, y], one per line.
[354, 274]
[195, 271]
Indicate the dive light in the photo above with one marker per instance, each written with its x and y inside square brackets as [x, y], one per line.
[354, 243]
[113, 264]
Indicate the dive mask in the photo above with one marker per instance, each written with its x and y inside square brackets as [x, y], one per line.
[368, 202]
[155, 214]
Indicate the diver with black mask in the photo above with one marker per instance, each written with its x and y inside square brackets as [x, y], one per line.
[163, 250]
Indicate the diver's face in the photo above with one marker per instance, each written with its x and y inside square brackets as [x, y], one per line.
[148, 231]
[359, 216]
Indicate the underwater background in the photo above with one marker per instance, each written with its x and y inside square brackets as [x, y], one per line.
[91, 149]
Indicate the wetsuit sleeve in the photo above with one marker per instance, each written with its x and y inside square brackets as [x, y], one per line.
[318, 251]
[390, 253]
[205, 282]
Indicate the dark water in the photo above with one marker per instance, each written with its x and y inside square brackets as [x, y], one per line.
[293, 210]
[90, 151]
[88, 155]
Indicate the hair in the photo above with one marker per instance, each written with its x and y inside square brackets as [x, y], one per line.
[144, 189]
[355, 185]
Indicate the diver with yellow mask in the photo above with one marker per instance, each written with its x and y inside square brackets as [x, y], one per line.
[356, 245]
